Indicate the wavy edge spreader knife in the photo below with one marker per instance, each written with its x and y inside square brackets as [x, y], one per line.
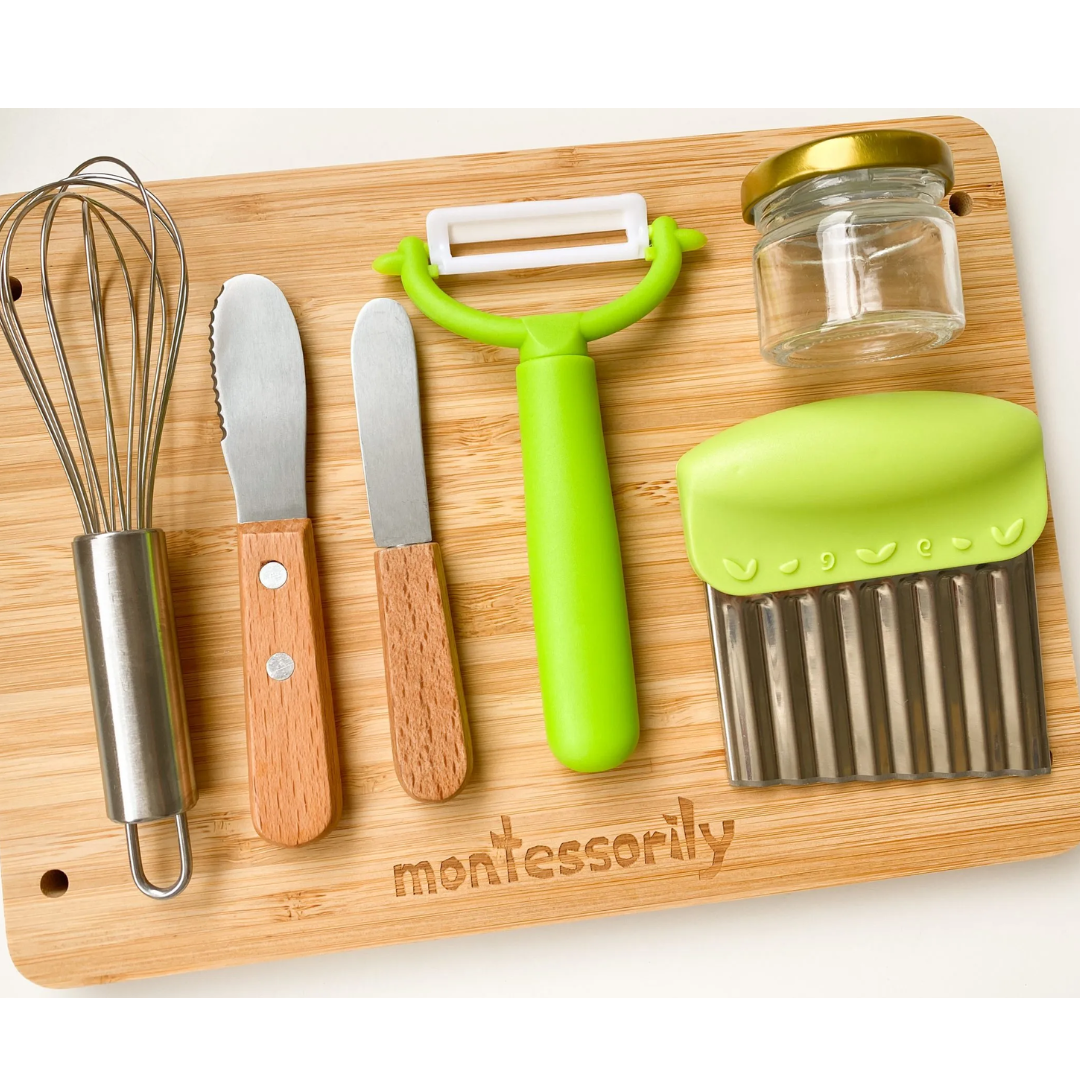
[258, 366]
[429, 729]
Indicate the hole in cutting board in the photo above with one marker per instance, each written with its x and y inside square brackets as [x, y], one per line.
[961, 203]
[54, 883]
[539, 243]
[16, 287]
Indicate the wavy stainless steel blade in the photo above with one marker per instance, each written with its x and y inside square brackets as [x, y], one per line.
[258, 367]
[387, 391]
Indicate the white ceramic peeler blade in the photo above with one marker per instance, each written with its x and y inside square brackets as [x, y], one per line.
[529, 220]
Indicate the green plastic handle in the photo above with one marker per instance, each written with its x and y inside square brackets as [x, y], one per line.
[579, 599]
[575, 565]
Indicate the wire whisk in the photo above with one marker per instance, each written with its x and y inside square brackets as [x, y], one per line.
[125, 499]
[121, 561]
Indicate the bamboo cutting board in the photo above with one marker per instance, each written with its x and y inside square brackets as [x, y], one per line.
[526, 841]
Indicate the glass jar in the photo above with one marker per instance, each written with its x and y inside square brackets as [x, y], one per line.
[857, 260]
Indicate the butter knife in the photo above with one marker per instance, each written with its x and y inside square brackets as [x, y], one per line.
[429, 730]
[258, 367]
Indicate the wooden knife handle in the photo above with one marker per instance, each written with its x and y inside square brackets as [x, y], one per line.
[293, 770]
[429, 729]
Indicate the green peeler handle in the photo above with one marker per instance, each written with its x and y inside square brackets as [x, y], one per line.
[575, 567]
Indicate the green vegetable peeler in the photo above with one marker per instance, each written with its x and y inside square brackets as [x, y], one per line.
[575, 566]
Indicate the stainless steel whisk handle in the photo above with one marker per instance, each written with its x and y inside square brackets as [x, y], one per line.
[135, 683]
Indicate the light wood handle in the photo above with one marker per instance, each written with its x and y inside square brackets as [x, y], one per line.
[295, 784]
[429, 729]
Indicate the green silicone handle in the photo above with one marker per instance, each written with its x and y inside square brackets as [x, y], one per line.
[579, 600]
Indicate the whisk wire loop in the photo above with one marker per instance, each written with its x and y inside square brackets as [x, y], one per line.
[119, 496]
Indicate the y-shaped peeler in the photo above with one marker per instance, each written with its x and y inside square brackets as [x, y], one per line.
[575, 566]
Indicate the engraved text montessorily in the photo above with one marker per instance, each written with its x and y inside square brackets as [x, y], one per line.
[504, 863]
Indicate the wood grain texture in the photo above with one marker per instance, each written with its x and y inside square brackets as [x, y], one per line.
[479, 861]
[293, 773]
[429, 730]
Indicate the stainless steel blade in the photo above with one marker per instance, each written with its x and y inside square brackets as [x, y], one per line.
[936, 674]
[258, 366]
[783, 707]
[387, 391]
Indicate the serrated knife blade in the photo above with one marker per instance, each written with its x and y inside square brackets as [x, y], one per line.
[258, 366]
[258, 363]
[429, 729]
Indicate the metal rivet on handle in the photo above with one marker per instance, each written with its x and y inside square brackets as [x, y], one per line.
[280, 666]
[273, 575]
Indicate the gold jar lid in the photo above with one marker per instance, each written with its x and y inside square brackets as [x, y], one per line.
[880, 148]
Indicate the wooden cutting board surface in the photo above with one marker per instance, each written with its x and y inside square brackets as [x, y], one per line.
[673, 831]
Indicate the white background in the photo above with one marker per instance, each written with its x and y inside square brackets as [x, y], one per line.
[1004, 930]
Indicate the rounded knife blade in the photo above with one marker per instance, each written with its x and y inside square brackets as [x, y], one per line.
[258, 367]
[387, 390]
